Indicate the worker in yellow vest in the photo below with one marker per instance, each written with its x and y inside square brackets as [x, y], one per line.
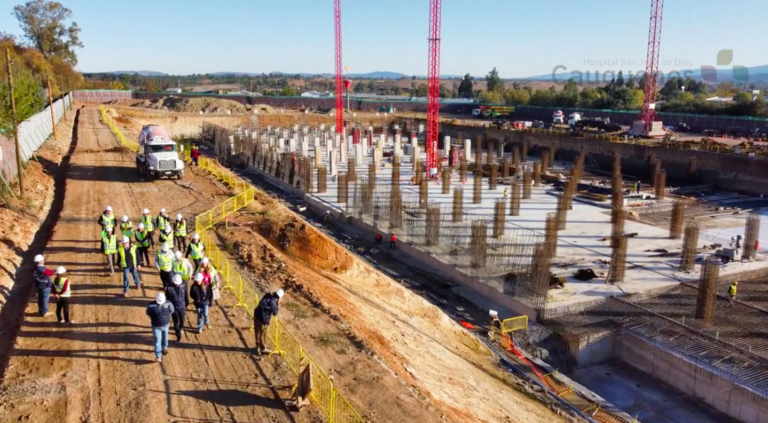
[164, 263]
[109, 248]
[62, 291]
[166, 236]
[126, 227]
[196, 250]
[142, 244]
[732, 292]
[183, 268]
[107, 220]
[130, 263]
[149, 225]
[162, 221]
[180, 233]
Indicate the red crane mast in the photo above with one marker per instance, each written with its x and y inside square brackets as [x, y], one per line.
[652, 65]
[433, 83]
[339, 78]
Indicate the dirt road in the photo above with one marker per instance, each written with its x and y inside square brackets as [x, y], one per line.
[100, 369]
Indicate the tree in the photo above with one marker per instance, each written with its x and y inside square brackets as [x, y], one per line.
[490, 97]
[27, 94]
[465, 87]
[631, 83]
[45, 27]
[620, 80]
[569, 97]
[494, 81]
[588, 97]
[444, 91]
[288, 91]
[742, 97]
[421, 90]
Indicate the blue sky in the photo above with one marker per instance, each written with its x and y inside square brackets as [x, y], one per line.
[520, 38]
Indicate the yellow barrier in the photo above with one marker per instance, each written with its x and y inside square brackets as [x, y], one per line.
[514, 323]
[131, 145]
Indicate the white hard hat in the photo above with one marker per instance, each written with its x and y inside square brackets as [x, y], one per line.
[61, 270]
[493, 313]
[39, 258]
[145, 211]
[108, 229]
[162, 210]
[176, 279]
[126, 240]
[165, 247]
[125, 218]
[160, 298]
[198, 277]
[167, 229]
[179, 255]
[141, 226]
[196, 237]
[205, 260]
[280, 293]
[109, 208]
[178, 216]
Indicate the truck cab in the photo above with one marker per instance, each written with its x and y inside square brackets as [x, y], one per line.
[159, 154]
[573, 118]
[558, 117]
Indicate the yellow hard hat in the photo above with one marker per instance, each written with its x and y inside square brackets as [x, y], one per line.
[735, 282]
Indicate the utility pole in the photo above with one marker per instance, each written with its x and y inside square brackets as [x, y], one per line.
[50, 105]
[19, 169]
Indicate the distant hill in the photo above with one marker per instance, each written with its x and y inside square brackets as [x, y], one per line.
[141, 72]
[369, 75]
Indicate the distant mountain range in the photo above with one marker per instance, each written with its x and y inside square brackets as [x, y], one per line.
[370, 75]
[752, 74]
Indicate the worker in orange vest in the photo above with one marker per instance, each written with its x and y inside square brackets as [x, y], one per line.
[392, 240]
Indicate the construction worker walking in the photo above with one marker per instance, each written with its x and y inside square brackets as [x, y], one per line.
[392, 240]
[126, 227]
[162, 221]
[159, 312]
[201, 296]
[62, 291]
[43, 284]
[166, 237]
[149, 225]
[107, 219]
[142, 244]
[183, 269]
[164, 263]
[211, 276]
[262, 315]
[129, 263]
[732, 292]
[505, 194]
[195, 250]
[177, 295]
[109, 248]
[180, 233]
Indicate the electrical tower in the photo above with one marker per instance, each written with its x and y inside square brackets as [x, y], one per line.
[339, 78]
[433, 84]
[652, 65]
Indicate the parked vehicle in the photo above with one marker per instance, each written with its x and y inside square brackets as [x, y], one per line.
[558, 117]
[573, 118]
[158, 154]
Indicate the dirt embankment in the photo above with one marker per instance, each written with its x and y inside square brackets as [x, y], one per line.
[446, 367]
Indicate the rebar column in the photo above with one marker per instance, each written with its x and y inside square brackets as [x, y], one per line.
[661, 184]
[489, 157]
[537, 174]
[446, 180]
[545, 160]
[477, 192]
[690, 246]
[351, 174]
[562, 211]
[540, 275]
[396, 175]
[499, 218]
[505, 168]
[463, 170]
[617, 224]
[372, 174]
[493, 181]
[514, 205]
[570, 192]
[458, 205]
[617, 189]
[419, 175]
[343, 190]
[707, 298]
[479, 245]
[618, 259]
[751, 233]
[322, 179]
[308, 176]
[366, 198]
[552, 152]
[516, 157]
[479, 154]
[676, 220]
[423, 193]
[550, 232]
[432, 233]
[526, 185]
[395, 209]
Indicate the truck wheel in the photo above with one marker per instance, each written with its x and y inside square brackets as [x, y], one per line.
[180, 176]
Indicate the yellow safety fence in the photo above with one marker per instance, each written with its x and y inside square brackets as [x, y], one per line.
[131, 145]
[328, 399]
[514, 323]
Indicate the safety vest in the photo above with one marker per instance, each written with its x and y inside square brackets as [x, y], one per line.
[196, 250]
[181, 268]
[165, 261]
[110, 244]
[108, 221]
[180, 228]
[142, 239]
[127, 229]
[164, 237]
[131, 251]
[58, 286]
[161, 222]
[732, 290]
[148, 222]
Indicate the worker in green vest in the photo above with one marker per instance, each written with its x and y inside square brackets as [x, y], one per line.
[107, 220]
[142, 244]
[180, 233]
[162, 221]
[149, 225]
[166, 236]
[109, 248]
[164, 263]
[196, 250]
[126, 227]
[732, 292]
[129, 262]
[62, 291]
[183, 268]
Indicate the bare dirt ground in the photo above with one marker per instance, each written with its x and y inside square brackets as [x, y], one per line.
[341, 304]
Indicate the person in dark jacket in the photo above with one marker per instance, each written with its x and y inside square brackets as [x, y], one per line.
[262, 315]
[43, 284]
[177, 295]
[201, 295]
[159, 313]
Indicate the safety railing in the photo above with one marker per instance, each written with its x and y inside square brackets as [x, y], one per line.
[328, 399]
[131, 145]
[514, 323]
